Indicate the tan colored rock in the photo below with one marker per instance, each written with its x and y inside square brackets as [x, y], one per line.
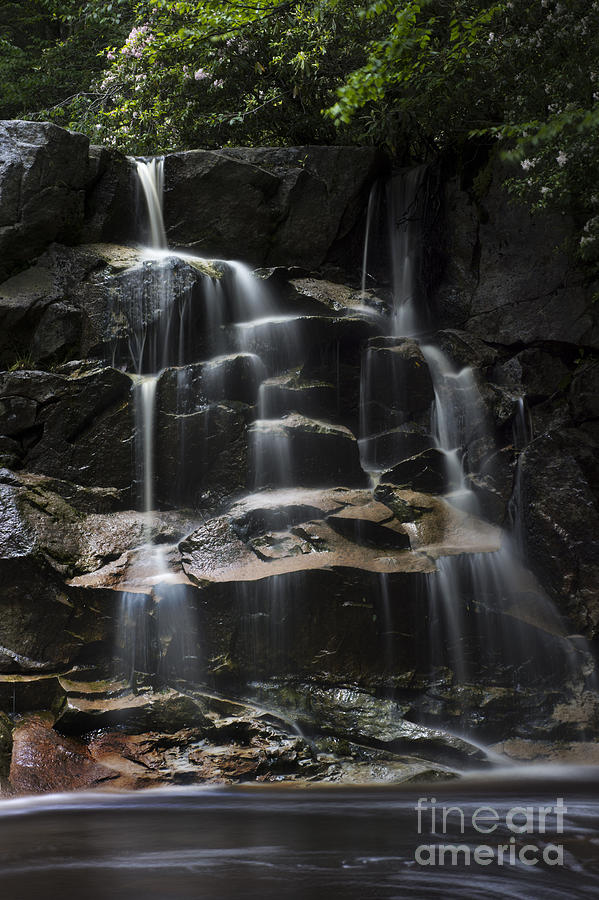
[43, 760]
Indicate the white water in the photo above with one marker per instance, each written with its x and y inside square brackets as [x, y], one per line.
[485, 609]
[147, 390]
[151, 178]
[458, 418]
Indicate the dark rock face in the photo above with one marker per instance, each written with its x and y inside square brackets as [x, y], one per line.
[388, 447]
[560, 515]
[506, 282]
[398, 383]
[110, 198]
[43, 174]
[267, 206]
[201, 456]
[300, 451]
[77, 428]
[423, 472]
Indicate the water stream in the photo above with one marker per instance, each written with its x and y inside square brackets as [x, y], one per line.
[483, 607]
[487, 615]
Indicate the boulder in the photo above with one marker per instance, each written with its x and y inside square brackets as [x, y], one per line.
[304, 452]
[301, 203]
[76, 427]
[110, 198]
[43, 174]
[201, 456]
[396, 384]
[426, 471]
[109, 301]
[45, 761]
[559, 518]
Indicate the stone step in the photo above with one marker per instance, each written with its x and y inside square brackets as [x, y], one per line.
[305, 452]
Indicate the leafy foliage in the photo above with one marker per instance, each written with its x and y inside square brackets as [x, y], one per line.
[220, 73]
[522, 74]
[49, 54]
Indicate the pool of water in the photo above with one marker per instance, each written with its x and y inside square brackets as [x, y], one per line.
[322, 842]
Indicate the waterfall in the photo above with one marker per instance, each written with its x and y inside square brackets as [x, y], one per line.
[151, 178]
[458, 418]
[147, 390]
[486, 612]
[404, 205]
[153, 306]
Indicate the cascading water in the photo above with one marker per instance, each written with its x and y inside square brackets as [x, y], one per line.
[487, 613]
[404, 205]
[458, 420]
[151, 178]
[150, 347]
[163, 310]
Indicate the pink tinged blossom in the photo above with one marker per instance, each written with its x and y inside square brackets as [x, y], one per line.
[561, 158]
[201, 74]
[110, 55]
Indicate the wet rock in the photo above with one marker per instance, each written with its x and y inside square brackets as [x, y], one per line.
[201, 456]
[353, 715]
[28, 693]
[321, 295]
[10, 452]
[579, 753]
[110, 197]
[396, 383]
[234, 376]
[305, 452]
[584, 392]
[560, 520]
[82, 428]
[45, 761]
[465, 349]
[389, 447]
[319, 344]
[308, 623]
[424, 472]
[302, 203]
[58, 334]
[92, 300]
[539, 296]
[290, 393]
[6, 728]
[276, 510]
[165, 710]
[43, 173]
[371, 525]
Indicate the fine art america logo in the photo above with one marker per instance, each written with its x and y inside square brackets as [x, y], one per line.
[510, 834]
